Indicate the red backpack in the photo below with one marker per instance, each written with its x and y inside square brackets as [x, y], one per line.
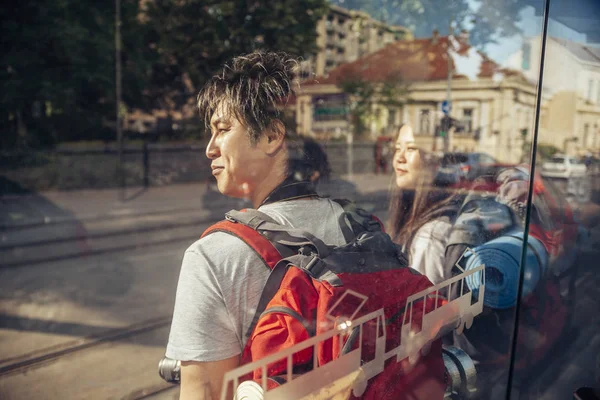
[354, 296]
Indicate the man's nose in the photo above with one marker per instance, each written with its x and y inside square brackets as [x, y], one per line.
[212, 150]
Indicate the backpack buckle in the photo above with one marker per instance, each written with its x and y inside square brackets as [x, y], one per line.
[314, 267]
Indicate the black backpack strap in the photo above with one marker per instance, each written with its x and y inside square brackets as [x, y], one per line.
[355, 220]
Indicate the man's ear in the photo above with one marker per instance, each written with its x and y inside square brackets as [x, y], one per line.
[274, 137]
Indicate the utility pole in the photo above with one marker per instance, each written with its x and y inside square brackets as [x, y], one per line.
[121, 167]
[446, 127]
[350, 138]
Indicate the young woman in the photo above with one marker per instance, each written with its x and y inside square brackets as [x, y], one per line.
[420, 215]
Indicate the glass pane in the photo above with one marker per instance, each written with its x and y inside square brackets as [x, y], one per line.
[558, 341]
[421, 112]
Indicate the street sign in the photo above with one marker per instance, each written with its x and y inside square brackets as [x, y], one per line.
[446, 107]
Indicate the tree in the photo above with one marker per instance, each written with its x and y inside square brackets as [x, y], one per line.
[365, 97]
[58, 70]
[490, 20]
[195, 37]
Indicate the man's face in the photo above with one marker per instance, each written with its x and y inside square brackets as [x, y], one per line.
[238, 166]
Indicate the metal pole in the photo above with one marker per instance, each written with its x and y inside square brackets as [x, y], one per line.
[449, 87]
[350, 153]
[350, 141]
[146, 162]
[121, 169]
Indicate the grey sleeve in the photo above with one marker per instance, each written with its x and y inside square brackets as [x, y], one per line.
[201, 329]
[220, 283]
[428, 249]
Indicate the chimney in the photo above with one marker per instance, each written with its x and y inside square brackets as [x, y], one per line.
[435, 36]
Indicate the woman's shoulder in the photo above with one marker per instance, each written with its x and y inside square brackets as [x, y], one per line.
[435, 228]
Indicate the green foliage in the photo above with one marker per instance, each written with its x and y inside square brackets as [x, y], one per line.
[58, 69]
[198, 36]
[546, 151]
[365, 96]
[58, 58]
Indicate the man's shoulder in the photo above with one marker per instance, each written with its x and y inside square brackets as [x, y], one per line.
[316, 205]
[318, 216]
[213, 244]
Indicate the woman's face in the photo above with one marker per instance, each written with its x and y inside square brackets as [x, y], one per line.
[407, 159]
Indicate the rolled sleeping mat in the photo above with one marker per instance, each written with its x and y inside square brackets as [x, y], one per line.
[249, 390]
[501, 258]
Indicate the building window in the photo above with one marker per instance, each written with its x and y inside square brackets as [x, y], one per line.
[590, 89]
[586, 133]
[467, 119]
[329, 108]
[424, 122]
[391, 119]
[526, 58]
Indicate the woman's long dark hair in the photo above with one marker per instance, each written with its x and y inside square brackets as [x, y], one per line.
[410, 209]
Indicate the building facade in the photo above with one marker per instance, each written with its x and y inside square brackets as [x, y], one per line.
[492, 107]
[346, 35]
[570, 107]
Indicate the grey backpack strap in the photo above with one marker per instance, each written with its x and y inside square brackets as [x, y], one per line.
[251, 217]
[277, 233]
[271, 287]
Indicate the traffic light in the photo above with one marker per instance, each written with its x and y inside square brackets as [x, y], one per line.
[445, 126]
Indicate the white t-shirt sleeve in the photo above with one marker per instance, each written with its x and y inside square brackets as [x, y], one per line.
[201, 329]
[215, 294]
[428, 248]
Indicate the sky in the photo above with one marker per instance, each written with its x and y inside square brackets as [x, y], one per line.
[531, 25]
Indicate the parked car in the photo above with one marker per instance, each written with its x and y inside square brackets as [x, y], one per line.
[561, 166]
[461, 166]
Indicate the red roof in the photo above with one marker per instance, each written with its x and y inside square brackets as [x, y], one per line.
[415, 60]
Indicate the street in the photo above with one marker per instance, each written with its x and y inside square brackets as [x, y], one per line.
[85, 312]
[94, 321]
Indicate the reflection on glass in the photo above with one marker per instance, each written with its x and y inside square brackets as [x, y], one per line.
[557, 323]
[423, 112]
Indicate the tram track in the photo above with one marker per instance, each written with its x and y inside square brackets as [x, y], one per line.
[24, 363]
[102, 241]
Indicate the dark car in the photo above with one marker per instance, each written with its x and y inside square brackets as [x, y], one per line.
[461, 166]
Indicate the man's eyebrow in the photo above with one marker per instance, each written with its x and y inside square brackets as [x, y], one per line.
[220, 120]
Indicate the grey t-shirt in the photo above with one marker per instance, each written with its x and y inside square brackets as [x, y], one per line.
[221, 281]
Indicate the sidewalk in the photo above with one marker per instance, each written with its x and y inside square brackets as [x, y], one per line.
[91, 204]
[57, 225]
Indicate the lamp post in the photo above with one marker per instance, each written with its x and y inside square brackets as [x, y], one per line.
[118, 96]
[448, 90]
[350, 137]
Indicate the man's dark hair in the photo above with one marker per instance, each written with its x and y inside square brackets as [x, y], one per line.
[250, 88]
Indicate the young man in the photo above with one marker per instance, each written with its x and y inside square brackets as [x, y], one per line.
[221, 277]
